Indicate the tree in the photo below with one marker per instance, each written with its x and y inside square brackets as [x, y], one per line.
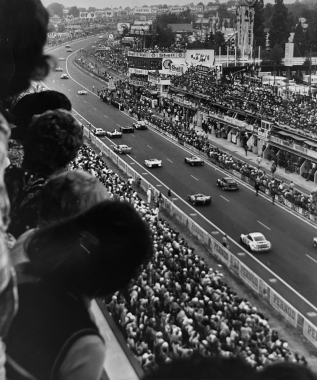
[299, 41]
[279, 32]
[165, 36]
[219, 42]
[73, 11]
[55, 9]
[267, 13]
[91, 9]
[258, 30]
[61, 28]
[277, 54]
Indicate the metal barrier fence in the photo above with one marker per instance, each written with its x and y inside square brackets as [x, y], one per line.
[288, 311]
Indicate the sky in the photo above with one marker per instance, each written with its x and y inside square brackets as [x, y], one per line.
[131, 4]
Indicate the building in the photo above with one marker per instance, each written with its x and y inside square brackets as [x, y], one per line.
[245, 23]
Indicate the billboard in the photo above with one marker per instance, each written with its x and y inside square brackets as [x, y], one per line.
[87, 15]
[177, 9]
[108, 13]
[139, 29]
[142, 10]
[121, 26]
[149, 22]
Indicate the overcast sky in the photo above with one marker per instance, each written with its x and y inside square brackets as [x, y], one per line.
[131, 4]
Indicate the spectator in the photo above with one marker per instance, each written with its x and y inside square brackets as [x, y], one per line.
[52, 141]
[62, 197]
[224, 240]
[257, 186]
[96, 252]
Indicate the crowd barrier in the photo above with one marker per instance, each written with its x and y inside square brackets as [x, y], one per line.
[288, 311]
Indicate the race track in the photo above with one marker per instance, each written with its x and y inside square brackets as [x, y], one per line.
[292, 261]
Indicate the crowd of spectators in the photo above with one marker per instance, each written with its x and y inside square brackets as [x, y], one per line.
[177, 47]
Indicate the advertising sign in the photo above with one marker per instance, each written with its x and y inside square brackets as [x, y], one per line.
[142, 10]
[121, 26]
[108, 13]
[138, 71]
[155, 55]
[176, 69]
[140, 29]
[143, 22]
[283, 307]
[289, 54]
[249, 277]
[310, 332]
[90, 15]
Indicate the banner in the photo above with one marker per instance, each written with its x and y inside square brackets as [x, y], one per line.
[310, 332]
[89, 15]
[138, 71]
[283, 307]
[249, 277]
[155, 55]
[222, 253]
[108, 13]
[121, 26]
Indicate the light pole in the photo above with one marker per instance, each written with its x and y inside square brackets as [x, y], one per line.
[309, 91]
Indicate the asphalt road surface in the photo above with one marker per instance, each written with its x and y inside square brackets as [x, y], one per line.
[292, 262]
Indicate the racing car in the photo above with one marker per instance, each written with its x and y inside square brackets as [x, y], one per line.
[199, 199]
[315, 242]
[122, 149]
[141, 125]
[61, 59]
[256, 242]
[153, 163]
[194, 161]
[64, 76]
[58, 69]
[69, 50]
[82, 92]
[114, 134]
[127, 129]
[227, 183]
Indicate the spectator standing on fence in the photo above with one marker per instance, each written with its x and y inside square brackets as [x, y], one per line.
[93, 88]
[225, 241]
[149, 195]
[169, 194]
[138, 182]
[257, 186]
[291, 187]
[273, 169]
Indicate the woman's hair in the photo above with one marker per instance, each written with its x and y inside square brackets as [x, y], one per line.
[23, 33]
[68, 194]
[36, 104]
[52, 141]
[100, 250]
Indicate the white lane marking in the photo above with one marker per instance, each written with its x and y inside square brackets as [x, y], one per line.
[216, 227]
[85, 101]
[77, 96]
[194, 177]
[225, 198]
[175, 199]
[149, 146]
[105, 116]
[311, 258]
[95, 109]
[68, 89]
[169, 160]
[264, 225]
[145, 173]
[132, 163]
[158, 185]
[118, 125]
[192, 214]
[132, 134]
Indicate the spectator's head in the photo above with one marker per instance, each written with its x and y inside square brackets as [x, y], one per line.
[36, 104]
[198, 367]
[69, 194]
[286, 371]
[99, 251]
[52, 141]
[23, 31]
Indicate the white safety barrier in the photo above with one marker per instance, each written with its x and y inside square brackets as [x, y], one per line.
[289, 312]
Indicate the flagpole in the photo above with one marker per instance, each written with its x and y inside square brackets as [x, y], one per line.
[235, 56]
[227, 55]
[259, 55]
[219, 53]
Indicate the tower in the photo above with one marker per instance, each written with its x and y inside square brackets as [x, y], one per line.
[245, 22]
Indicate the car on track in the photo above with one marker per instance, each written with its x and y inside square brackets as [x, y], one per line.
[64, 76]
[194, 161]
[114, 134]
[256, 242]
[58, 69]
[67, 46]
[141, 125]
[122, 149]
[61, 59]
[199, 199]
[315, 242]
[127, 129]
[69, 50]
[153, 163]
[82, 92]
[227, 183]
[96, 131]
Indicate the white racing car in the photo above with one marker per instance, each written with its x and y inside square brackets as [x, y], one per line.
[153, 163]
[61, 59]
[141, 125]
[114, 134]
[82, 92]
[256, 242]
[122, 149]
[64, 76]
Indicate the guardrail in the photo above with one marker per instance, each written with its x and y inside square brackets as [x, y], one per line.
[288, 311]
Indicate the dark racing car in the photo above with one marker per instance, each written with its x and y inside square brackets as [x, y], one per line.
[199, 199]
